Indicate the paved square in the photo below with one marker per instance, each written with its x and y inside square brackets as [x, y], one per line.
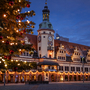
[52, 86]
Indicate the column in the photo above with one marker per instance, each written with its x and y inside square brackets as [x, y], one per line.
[76, 77]
[19, 78]
[49, 77]
[63, 77]
[68, 77]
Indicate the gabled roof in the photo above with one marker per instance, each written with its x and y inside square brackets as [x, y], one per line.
[69, 47]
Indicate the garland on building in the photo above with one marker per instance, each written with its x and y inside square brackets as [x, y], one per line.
[13, 25]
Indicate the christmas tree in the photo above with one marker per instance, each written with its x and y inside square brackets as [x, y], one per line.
[13, 25]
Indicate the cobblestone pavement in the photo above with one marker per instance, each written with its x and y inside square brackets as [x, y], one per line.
[59, 86]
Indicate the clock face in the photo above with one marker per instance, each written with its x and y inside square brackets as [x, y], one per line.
[50, 38]
[39, 38]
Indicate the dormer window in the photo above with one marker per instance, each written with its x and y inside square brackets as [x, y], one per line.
[49, 25]
[44, 32]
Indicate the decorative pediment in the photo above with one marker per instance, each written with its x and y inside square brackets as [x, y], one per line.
[26, 40]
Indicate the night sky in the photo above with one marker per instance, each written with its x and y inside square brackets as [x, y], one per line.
[70, 18]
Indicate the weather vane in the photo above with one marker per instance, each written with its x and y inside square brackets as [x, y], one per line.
[46, 2]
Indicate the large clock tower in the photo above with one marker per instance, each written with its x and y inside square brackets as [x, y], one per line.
[45, 36]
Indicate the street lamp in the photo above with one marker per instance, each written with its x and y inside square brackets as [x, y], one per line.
[83, 67]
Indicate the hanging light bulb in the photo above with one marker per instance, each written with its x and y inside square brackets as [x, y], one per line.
[4, 15]
[19, 0]
[28, 21]
[2, 41]
[18, 10]
[19, 21]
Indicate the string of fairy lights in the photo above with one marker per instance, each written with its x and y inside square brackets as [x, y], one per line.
[20, 19]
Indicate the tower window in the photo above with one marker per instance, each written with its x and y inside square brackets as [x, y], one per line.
[49, 32]
[43, 36]
[39, 48]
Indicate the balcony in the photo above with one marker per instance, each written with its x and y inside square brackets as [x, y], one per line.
[50, 48]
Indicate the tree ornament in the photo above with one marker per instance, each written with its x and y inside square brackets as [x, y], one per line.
[32, 26]
[11, 51]
[24, 31]
[21, 33]
[8, 57]
[28, 5]
[31, 32]
[11, 3]
[18, 16]
[1, 37]
[21, 18]
[34, 14]
[7, 42]
[5, 57]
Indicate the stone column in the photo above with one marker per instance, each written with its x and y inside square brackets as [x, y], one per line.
[85, 77]
[76, 77]
[72, 77]
[68, 77]
[19, 78]
[49, 77]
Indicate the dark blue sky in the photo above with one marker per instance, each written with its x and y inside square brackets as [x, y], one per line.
[70, 18]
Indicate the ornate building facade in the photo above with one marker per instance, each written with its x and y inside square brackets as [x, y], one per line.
[56, 60]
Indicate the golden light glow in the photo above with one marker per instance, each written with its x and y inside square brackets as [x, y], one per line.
[19, 0]
[0, 61]
[28, 21]
[5, 65]
[19, 21]
[18, 10]
[16, 43]
[25, 61]
[50, 53]
[3, 60]
[20, 50]
[11, 60]
[4, 15]
[28, 11]
[18, 64]
[17, 30]
[2, 41]
[0, 57]
[16, 60]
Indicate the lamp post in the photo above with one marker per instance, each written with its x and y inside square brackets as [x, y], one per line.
[83, 67]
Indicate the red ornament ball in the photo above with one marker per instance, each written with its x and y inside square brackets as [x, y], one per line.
[28, 5]
[18, 16]
[5, 56]
[11, 51]
[24, 31]
[1, 37]
[21, 18]
[11, 3]
[7, 42]
[8, 57]
[21, 33]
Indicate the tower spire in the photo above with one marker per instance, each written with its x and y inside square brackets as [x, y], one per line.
[46, 2]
